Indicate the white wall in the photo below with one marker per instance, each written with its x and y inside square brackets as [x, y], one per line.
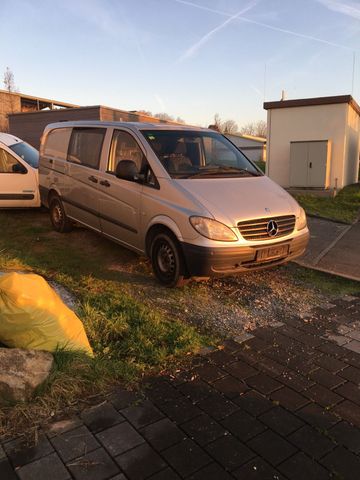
[315, 122]
[352, 147]
[255, 150]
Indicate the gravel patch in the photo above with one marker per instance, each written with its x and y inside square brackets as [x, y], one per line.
[230, 306]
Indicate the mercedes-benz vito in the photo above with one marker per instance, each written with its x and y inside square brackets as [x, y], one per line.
[184, 196]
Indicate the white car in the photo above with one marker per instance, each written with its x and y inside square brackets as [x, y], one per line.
[19, 178]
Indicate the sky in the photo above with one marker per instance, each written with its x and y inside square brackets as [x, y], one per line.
[189, 58]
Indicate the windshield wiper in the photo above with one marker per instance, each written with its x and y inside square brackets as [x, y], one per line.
[222, 169]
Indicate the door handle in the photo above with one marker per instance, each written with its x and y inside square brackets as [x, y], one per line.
[93, 179]
[310, 165]
[105, 183]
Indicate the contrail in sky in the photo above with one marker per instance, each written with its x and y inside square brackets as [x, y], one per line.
[265, 25]
[194, 48]
[350, 9]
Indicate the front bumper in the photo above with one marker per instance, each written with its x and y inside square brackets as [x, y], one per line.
[209, 262]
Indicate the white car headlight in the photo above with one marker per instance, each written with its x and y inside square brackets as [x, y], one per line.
[301, 220]
[209, 228]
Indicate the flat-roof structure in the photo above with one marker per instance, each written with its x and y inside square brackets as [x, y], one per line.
[30, 125]
[313, 143]
[13, 102]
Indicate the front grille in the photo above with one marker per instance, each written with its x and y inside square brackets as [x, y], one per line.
[257, 229]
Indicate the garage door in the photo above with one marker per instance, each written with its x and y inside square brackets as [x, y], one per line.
[309, 164]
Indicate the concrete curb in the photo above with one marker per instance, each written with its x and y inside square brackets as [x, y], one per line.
[325, 270]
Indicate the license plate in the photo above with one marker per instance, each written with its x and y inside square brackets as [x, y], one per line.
[272, 252]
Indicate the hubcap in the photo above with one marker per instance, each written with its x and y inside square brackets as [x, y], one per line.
[166, 259]
[57, 214]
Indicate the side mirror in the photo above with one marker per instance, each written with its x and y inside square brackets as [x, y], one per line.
[19, 168]
[127, 170]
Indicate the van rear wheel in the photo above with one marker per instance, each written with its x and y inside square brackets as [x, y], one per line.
[59, 220]
[167, 261]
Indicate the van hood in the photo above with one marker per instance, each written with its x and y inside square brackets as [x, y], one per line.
[231, 200]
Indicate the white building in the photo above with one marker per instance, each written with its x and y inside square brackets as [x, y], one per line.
[253, 147]
[313, 142]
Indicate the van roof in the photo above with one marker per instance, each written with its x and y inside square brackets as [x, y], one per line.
[132, 125]
[8, 139]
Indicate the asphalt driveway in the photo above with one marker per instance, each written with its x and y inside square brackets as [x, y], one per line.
[334, 247]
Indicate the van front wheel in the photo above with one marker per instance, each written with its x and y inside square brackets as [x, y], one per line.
[167, 261]
[58, 217]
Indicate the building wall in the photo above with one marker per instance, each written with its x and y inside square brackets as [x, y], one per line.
[30, 126]
[8, 104]
[253, 149]
[315, 122]
[352, 147]
[112, 115]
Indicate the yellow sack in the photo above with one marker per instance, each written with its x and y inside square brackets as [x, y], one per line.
[33, 316]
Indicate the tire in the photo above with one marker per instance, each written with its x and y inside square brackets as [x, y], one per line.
[58, 217]
[167, 261]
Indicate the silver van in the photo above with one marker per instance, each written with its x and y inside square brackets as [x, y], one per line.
[184, 196]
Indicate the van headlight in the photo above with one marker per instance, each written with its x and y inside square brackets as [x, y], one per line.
[209, 228]
[301, 220]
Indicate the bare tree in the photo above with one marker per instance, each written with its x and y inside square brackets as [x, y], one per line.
[9, 84]
[9, 81]
[145, 112]
[228, 126]
[217, 122]
[257, 129]
[168, 118]
[164, 116]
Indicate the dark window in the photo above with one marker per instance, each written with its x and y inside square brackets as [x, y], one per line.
[57, 143]
[85, 146]
[125, 147]
[8, 163]
[189, 154]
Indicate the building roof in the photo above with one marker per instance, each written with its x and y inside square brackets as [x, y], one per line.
[306, 102]
[40, 99]
[76, 108]
[248, 137]
[132, 125]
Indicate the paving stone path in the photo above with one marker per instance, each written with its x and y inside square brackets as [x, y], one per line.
[283, 404]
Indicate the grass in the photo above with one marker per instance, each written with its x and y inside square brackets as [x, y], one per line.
[134, 325]
[344, 207]
[325, 283]
[261, 164]
[129, 339]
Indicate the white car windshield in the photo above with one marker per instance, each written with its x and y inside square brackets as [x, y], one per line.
[27, 153]
[194, 154]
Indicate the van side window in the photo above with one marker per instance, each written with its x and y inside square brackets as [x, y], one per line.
[217, 152]
[7, 162]
[124, 147]
[85, 146]
[57, 143]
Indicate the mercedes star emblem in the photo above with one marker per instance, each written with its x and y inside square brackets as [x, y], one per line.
[272, 228]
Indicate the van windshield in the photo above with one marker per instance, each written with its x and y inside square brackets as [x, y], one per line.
[27, 153]
[194, 154]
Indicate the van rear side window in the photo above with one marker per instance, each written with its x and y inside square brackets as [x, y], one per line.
[57, 143]
[85, 146]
